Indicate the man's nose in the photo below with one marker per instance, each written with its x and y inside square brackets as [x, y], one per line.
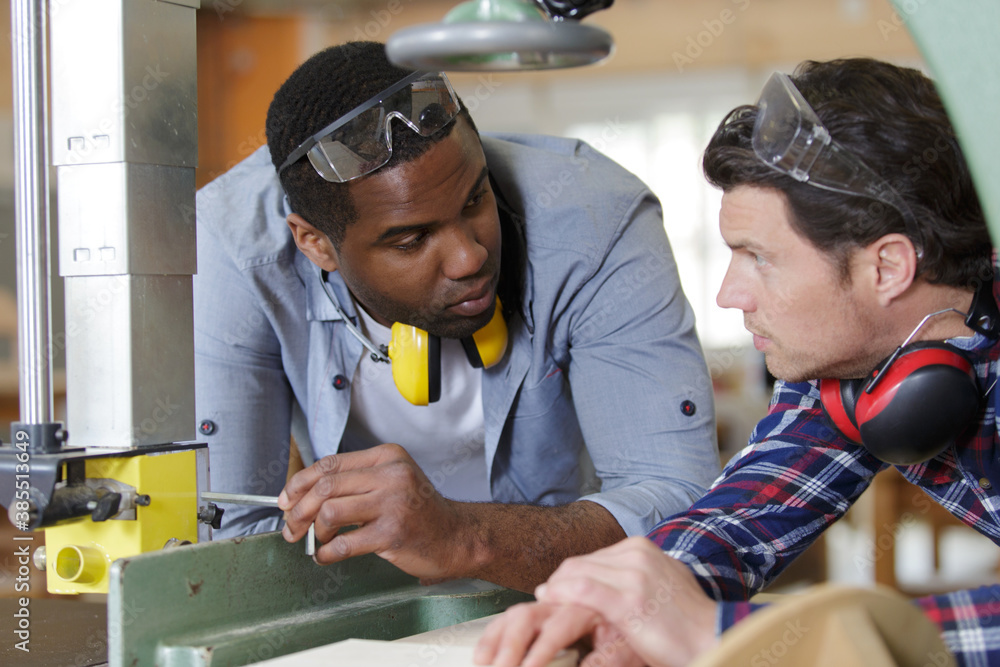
[465, 254]
[734, 293]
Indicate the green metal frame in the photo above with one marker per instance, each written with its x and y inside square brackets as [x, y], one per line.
[235, 602]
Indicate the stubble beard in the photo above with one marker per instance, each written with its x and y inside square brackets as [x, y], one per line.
[441, 325]
[802, 366]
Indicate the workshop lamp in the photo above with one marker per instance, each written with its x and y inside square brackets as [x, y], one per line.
[504, 35]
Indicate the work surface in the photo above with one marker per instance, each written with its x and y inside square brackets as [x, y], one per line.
[73, 633]
[445, 647]
[69, 633]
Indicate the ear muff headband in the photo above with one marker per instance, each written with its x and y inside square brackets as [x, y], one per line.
[871, 402]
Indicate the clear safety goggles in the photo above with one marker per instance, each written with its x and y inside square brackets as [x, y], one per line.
[361, 141]
[789, 137]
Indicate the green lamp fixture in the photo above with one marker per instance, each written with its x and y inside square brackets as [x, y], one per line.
[504, 35]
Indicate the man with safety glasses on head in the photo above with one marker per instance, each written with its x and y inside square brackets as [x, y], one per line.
[864, 269]
[443, 335]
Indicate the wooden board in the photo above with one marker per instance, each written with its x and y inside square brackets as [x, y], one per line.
[446, 647]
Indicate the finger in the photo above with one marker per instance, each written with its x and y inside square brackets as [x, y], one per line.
[336, 550]
[567, 625]
[299, 484]
[521, 626]
[591, 593]
[333, 485]
[489, 641]
[614, 645]
[612, 655]
[337, 513]
[621, 656]
[364, 540]
[302, 482]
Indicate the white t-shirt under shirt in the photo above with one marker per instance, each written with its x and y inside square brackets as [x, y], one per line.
[445, 438]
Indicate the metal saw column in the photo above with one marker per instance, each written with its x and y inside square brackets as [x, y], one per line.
[124, 141]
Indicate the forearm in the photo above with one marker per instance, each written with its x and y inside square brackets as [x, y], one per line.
[519, 546]
[745, 531]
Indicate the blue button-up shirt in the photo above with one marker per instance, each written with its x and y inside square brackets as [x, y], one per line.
[603, 353]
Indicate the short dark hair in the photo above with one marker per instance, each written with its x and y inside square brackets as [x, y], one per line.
[325, 87]
[893, 119]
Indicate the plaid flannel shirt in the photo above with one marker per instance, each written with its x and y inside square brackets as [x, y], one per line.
[798, 475]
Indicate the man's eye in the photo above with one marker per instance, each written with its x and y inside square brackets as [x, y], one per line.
[411, 241]
[759, 261]
[476, 200]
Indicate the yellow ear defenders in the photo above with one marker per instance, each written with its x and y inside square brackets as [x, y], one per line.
[416, 356]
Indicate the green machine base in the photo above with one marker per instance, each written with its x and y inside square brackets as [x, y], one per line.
[240, 601]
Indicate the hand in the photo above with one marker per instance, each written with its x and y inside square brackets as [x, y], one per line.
[651, 599]
[546, 629]
[399, 514]
[640, 606]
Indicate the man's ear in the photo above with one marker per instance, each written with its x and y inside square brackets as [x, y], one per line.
[313, 243]
[894, 262]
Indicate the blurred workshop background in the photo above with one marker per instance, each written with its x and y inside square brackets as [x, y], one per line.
[678, 66]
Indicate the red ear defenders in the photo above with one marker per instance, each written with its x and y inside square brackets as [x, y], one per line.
[910, 407]
[914, 404]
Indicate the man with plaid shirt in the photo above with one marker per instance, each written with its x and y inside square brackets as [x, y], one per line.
[860, 254]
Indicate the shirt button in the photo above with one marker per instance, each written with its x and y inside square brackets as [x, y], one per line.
[339, 381]
[985, 483]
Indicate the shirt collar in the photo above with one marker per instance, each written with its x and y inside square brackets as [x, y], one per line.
[318, 305]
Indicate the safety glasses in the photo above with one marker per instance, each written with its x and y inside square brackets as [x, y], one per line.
[789, 137]
[361, 141]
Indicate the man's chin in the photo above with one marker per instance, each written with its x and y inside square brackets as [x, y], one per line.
[800, 369]
[462, 328]
[783, 372]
